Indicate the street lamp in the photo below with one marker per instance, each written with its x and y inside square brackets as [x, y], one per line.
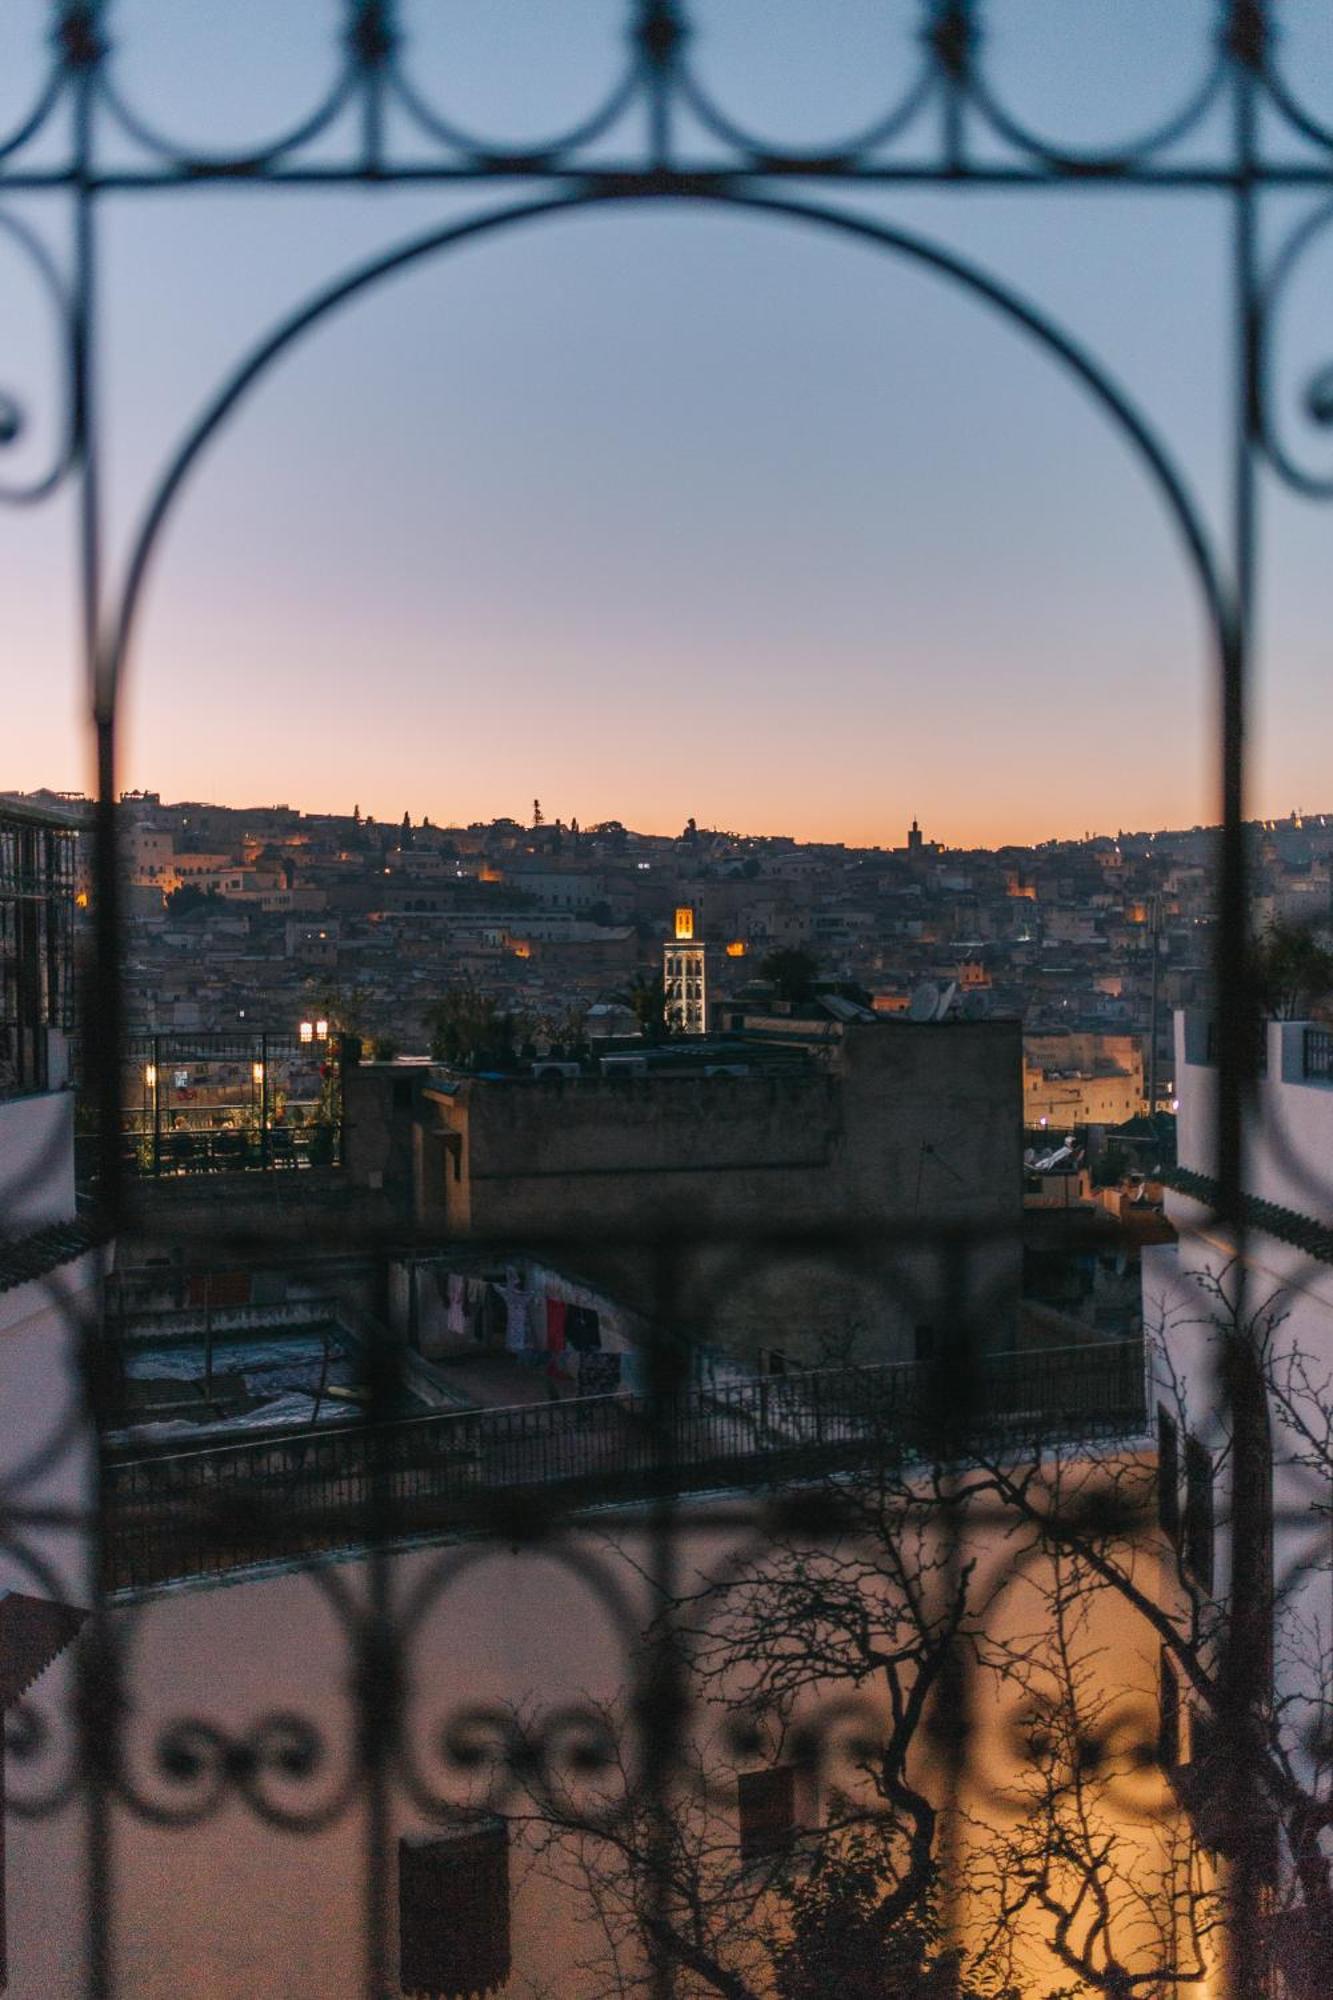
[154, 1102]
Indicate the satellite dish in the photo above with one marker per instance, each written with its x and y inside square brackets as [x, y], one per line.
[924, 1002]
[946, 1000]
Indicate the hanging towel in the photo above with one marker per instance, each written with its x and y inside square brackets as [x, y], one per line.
[516, 1314]
[454, 1317]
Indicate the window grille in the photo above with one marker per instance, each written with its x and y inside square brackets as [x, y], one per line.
[1244, 144]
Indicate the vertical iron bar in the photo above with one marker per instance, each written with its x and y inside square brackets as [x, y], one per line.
[1155, 944]
[958, 1403]
[1244, 1665]
[97, 1719]
[378, 1686]
[661, 1682]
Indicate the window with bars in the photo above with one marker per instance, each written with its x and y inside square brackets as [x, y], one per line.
[454, 1909]
[766, 1802]
[1197, 1545]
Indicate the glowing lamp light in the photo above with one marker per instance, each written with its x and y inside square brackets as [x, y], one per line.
[257, 1071]
[321, 1031]
[685, 923]
[736, 949]
[150, 1075]
[306, 1031]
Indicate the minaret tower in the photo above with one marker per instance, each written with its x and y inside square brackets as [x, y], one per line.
[685, 978]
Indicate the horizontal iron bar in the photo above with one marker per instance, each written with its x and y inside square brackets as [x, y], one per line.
[696, 180]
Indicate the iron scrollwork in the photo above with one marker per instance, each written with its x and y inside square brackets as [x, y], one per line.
[663, 130]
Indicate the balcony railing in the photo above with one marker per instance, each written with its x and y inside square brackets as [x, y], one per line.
[173, 1513]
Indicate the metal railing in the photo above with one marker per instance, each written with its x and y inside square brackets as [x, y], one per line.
[1317, 1055]
[198, 1103]
[1257, 1064]
[201, 1511]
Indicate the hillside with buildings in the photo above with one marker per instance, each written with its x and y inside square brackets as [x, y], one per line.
[263, 918]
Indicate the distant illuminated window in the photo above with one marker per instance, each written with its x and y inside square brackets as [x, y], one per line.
[685, 923]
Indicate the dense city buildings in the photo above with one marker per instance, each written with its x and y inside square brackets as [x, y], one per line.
[265, 917]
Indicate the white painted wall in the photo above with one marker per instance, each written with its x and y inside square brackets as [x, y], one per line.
[36, 1161]
[1289, 1161]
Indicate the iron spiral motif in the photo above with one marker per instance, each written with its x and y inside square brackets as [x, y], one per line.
[664, 128]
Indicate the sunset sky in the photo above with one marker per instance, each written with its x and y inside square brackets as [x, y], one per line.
[657, 513]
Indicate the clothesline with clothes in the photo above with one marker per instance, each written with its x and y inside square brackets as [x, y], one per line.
[540, 1318]
[564, 1336]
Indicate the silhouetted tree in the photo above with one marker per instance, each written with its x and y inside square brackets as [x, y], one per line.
[646, 1000]
[190, 897]
[791, 972]
[470, 1030]
[1292, 972]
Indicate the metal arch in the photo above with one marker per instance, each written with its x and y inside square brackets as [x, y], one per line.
[879, 130]
[532, 155]
[1105, 392]
[1137, 150]
[340, 94]
[113, 644]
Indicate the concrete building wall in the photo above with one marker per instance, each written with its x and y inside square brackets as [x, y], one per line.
[904, 1126]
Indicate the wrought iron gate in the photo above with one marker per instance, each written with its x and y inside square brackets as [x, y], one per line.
[1244, 139]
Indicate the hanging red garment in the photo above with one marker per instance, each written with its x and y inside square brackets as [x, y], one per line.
[555, 1326]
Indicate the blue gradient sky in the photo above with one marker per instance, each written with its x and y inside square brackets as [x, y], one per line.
[659, 513]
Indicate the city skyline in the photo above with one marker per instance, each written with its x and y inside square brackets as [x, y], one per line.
[589, 822]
